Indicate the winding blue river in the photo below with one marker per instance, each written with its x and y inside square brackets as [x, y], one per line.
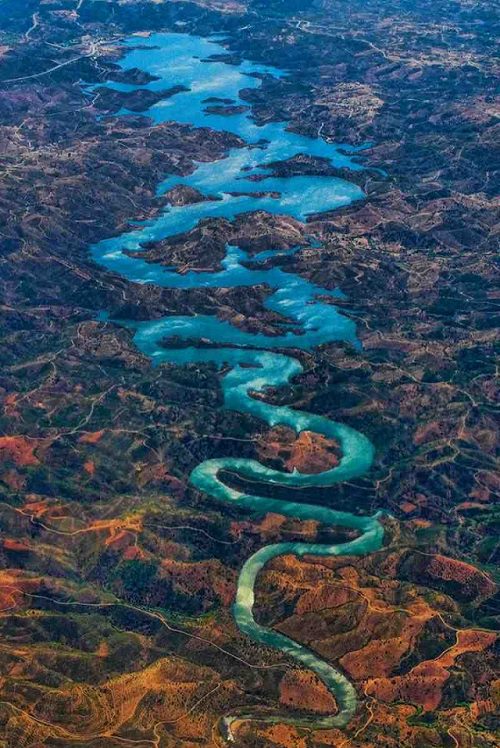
[185, 60]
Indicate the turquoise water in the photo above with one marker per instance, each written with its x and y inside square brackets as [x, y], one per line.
[313, 318]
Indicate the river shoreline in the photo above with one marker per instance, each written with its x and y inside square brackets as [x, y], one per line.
[190, 64]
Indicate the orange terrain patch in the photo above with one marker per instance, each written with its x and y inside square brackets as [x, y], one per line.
[306, 452]
[11, 544]
[92, 437]
[89, 467]
[473, 581]
[423, 685]
[304, 690]
[284, 736]
[19, 450]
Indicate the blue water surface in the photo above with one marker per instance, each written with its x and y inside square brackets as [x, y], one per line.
[257, 361]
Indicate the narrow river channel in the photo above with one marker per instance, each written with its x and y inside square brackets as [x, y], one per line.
[180, 59]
